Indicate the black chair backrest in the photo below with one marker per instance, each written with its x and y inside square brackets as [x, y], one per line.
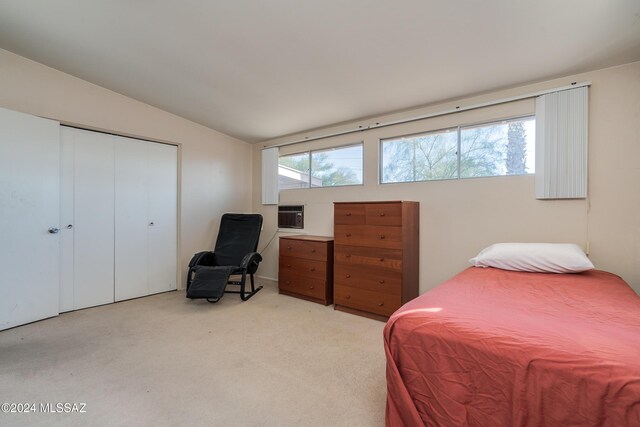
[238, 236]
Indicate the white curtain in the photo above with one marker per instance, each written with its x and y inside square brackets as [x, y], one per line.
[562, 122]
[270, 176]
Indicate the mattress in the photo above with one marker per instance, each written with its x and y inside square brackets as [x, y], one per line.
[500, 348]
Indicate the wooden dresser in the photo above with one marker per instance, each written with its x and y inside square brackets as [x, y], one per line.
[376, 256]
[306, 268]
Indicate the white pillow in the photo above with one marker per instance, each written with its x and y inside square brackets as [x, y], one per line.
[534, 257]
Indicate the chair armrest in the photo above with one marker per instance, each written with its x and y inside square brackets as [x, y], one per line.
[252, 258]
[202, 258]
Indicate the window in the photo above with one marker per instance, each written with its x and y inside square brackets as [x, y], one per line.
[293, 171]
[424, 157]
[491, 149]
[321, 168]
[504, 148]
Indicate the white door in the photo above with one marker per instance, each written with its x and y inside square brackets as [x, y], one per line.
[131, 219]
[29, 208]
[119, 218]
[93, 210]
[163, 202]
[145, 218]
[67, 160]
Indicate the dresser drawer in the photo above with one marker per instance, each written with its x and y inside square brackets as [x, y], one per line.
[303, 249]
[373, 279]
[349, 214]
[390, 259]
[301, 285]
[304, 267]
[370, 301]
[383, 214]
[368, 235]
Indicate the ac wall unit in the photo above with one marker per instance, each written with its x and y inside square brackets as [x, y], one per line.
[291, 216]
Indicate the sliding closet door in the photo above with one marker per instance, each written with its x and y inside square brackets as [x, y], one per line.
[93, 241]
[131, 275]
[162, 220]
[119, 218]
[67, 165]
[145, 218]
[29, 217]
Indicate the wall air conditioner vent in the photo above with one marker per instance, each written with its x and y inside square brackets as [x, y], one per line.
[291, 216]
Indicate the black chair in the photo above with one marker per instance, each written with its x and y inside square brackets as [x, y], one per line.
[234, 254]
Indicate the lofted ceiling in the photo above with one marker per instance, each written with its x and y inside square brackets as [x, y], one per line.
[258, 70]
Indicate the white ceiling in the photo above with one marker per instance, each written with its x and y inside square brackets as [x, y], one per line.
[262, 69]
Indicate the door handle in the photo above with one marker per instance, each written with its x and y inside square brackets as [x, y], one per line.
[69, 227]
[53, 230]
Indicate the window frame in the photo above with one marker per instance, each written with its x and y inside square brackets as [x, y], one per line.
[458, 129]
[332, 148]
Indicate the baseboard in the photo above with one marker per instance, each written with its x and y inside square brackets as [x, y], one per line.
[267, 280]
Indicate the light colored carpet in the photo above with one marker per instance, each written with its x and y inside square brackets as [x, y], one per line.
[164, 360]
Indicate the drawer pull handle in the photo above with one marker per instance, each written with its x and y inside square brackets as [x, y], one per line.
[311, 287]
[381, 236]
[380, 304]
[313, 269]
[288, 282]
[289, 247]
[348, 255]
[348, 234]
[381, 213]
[381, 259]
[289, 265]
[348, 276]
[348, 296]
[313, 250]
[348, 213]
[381, 281]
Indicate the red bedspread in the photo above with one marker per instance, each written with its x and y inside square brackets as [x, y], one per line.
[501, 348]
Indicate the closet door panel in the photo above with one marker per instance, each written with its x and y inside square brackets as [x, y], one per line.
[66, 219]
[163, 190]
[93, 257]
[29, 206]
[131, 219]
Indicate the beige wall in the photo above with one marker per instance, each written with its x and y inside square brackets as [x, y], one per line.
[211, 181]
[460, 217]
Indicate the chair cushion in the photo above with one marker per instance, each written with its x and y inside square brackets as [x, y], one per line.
[209, 282]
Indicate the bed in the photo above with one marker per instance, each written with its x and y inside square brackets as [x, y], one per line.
[492, 347]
